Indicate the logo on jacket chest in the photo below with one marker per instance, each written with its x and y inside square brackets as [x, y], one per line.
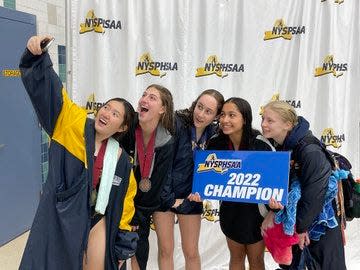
[117, 180]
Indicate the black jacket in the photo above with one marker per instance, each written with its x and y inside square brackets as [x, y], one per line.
[148, 202]
[183, 164]
[313, 169]
[257, 143]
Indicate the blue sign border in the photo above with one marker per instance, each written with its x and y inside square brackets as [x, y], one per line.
[242, 176]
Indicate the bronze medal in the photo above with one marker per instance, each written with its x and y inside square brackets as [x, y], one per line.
[146, 158]
[145, 184]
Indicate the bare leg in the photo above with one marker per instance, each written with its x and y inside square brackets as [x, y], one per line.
[255, 253]
[164, 227]
[94, 259]
[190, 232]
[134, 264]
[237, 255]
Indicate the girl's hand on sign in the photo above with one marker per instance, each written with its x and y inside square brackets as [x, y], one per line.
[273, 204]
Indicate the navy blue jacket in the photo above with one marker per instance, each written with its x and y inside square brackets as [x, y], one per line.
[183, 164]
[312, 168]
[313, 174]
[180, 184]
[59, 233]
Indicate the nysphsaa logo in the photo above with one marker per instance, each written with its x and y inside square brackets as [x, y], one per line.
[210, 211]
[329, 138]
[98, 24]
[155, 68]
[218, 165]
[329, 66]
[92, 106]
[336, 1]
[213, 66]
[280, 30]
[296, 103]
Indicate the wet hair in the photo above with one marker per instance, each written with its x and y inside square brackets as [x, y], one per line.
[188, 114]
[248, 131]
[284, 109]
[129, 115]
[167, 118]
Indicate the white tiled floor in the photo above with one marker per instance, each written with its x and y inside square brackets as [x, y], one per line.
[10, 254]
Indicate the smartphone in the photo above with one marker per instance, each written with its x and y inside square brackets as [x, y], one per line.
[46, 43]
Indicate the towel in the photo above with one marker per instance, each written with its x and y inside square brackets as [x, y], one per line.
[107, 175]
[326, 218]
[287, 215]
[280, 244]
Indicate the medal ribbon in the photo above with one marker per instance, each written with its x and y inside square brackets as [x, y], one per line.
[145, 157]
[98, 164]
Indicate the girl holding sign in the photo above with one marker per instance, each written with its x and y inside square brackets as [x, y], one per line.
[311, 168]
[194, 127]
[240, 222]
[151, 146]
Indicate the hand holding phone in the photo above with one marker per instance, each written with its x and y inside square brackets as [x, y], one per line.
[37, 45]
[45, 44]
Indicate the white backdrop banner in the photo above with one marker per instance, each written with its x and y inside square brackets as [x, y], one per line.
[305, 52]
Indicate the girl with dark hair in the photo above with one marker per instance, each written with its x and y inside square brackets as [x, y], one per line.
[240, 222]
[151, 146]
[84, 214]
[194, 127]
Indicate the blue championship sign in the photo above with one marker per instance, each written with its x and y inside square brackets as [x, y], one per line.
[243, 176]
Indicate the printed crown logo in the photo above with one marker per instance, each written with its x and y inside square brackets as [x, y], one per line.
[212, 163]
[336, 1]
[147, 65]
[92, 106]
[275, 97]
[91, 24]
[210, 213]
[276, 32]
[329, 138]
[330, 67]
[211, 67]
[280, 30]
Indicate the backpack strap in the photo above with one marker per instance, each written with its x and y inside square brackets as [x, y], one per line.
[331, 157]
[313, 140]
[342, 161]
